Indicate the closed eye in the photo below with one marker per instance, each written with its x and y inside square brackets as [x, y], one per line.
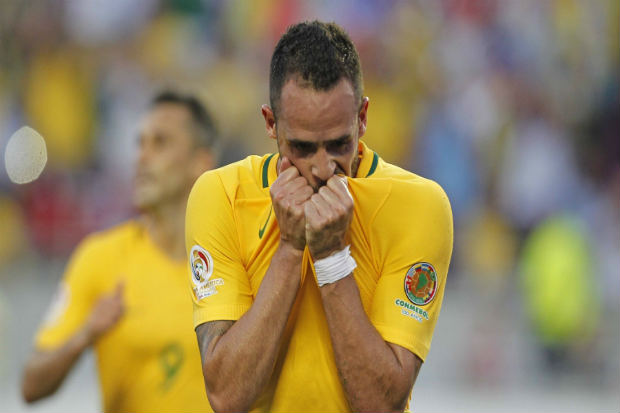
[339, 146]
[302, 148]
[154, 140]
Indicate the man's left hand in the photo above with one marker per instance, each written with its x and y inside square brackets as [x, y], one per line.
[328, 216]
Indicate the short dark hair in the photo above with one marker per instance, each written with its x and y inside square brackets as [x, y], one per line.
[206, 134]
[321, 53]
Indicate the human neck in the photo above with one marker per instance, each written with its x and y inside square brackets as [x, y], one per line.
[356, 165]
[165, 226]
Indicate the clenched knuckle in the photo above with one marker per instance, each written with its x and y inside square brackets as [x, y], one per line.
[281, 197]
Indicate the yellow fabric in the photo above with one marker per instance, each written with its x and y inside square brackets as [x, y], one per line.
[399, 219]
[149, 361]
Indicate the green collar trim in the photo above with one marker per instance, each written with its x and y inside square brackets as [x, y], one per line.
[375, 161]
[266, 171]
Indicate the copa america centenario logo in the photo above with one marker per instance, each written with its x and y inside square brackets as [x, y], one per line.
[201, 264]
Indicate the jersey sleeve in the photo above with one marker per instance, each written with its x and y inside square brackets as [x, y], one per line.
[219, 284]
[73, 299]
[413, 236]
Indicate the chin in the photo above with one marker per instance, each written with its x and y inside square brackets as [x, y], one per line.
[139, 206]
[143, 203]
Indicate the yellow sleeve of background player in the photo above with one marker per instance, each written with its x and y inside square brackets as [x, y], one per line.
[413, 233]
[219, 284]
[74, 297]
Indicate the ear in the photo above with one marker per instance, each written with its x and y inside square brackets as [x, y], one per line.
[202, 161]
[363, 116]
[270, 121]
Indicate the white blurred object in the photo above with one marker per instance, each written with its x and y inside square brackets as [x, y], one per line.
[25, 155]
[92, 22]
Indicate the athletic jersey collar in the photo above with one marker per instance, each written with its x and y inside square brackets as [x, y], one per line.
[269, 171]
[368, 164]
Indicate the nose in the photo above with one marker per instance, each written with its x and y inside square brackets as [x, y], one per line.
[143, 158]
[323, 165]
[144, 151]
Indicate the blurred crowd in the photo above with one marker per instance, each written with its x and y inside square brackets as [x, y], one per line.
[511, 105]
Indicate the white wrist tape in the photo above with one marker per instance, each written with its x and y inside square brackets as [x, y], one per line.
[335, 267]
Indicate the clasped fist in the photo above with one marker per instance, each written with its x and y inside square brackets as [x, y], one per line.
[328, 216]
[289, 193]
[319, 220]
[106, 313]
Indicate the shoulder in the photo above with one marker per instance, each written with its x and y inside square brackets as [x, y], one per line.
[232, 180]
[418, 199]
[393, 189]
[416, 191]
[399, 207]
[101, 251]
[111, 239]
[408, 217]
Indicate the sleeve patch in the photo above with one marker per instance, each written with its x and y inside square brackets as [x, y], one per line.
[201, 264]
[421, 283]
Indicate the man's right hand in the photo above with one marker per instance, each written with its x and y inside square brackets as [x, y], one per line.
[289, 193]
[107, 312]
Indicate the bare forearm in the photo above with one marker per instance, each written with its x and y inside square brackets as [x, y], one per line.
[373, 377]
[239, 363]
[45, 371]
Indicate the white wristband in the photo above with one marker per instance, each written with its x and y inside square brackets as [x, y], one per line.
[335, 267]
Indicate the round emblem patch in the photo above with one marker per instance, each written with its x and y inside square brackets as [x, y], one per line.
[421, 283]
[202, 265]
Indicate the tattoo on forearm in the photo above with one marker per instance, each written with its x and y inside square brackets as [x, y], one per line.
[208, 331]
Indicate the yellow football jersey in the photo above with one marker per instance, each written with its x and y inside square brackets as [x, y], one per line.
[401, 239]
[150, 360]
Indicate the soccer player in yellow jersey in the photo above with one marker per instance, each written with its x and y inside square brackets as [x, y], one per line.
[317, 273]
[125, 290]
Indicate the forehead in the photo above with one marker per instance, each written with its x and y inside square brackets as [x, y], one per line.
[302, 108]
[166, 117]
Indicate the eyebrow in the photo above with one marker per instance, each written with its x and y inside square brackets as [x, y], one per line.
[158, 135]
[340, 139]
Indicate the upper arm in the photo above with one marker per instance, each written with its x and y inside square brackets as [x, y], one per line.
[219, 285]
[413, 255]
[73, 299]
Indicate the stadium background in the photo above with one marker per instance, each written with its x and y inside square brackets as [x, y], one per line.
[511, 105]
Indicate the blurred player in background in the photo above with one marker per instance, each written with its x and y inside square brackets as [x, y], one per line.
[317, 272]
[125, 289]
